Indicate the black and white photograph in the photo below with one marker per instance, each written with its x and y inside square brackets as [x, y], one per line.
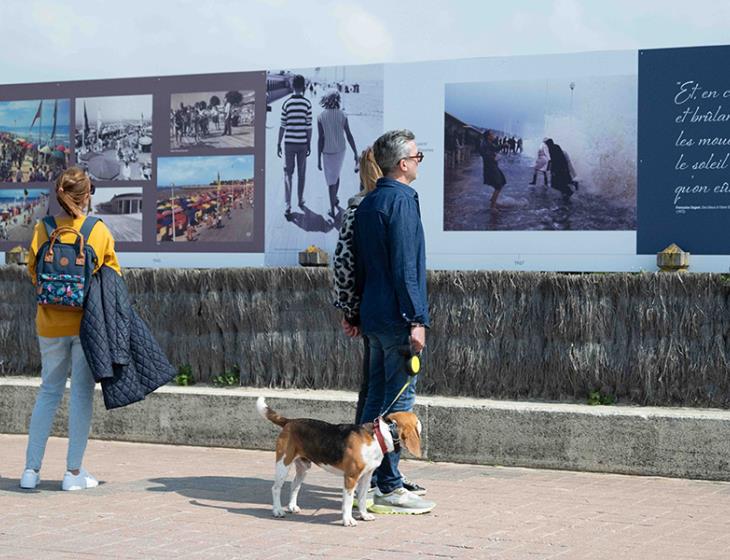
[554, 154]
[34, 140]
[113, 137]
[20, 209]
[318, 122]
[121, 210]
[205, 199]
[214, 119]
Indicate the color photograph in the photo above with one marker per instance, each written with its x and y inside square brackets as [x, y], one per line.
[113, 137]
[541, 155]
[205, 199]
[216, 119]
[20, 209]
[121, 211]
[34, 140]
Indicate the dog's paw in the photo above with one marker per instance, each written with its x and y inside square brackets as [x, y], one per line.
[349, 522]
[293, 508]
[367, 516]
[278, 512]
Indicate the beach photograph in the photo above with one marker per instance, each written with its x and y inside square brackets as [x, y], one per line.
[553, 154]
[20, 209]
[205, 199]
[113, 137]
[318, 122]
[214, 119]
[34, 140]
[121, 210]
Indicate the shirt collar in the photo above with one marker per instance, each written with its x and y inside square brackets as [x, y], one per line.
[392, 183]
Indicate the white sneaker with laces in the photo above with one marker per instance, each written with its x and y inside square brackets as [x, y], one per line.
[401, 501]
[30, 479]
[80, 481]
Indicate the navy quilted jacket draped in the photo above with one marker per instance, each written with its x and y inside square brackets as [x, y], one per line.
[122, 353]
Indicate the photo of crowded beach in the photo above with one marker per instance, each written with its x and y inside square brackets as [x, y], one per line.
[121, 211]
[19, 211]
[113, 137]
[34, 140]
[205, 199]
[216, 119]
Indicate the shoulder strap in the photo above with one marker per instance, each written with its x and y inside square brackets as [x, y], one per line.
[87, 226]
[50, 223]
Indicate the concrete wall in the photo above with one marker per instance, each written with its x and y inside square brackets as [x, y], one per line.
[672, 442]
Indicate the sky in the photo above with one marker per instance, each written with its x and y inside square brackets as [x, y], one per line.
[21, 113]
[117, 108]
[88, 39]
[192, 171]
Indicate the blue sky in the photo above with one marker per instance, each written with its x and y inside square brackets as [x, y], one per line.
[18, 193]
[182, 171]
[87, 39]
[21, 113]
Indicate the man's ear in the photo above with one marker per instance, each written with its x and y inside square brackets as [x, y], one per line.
[407, 428]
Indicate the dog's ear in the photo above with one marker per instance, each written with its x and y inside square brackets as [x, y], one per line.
[410, 434]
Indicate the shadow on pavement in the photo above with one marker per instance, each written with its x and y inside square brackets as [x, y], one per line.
[311, 221]
[254, 491]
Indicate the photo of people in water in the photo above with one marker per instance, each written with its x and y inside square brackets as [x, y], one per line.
[554, 155]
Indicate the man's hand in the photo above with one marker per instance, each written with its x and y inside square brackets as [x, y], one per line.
[418, 338]
[350, 330]
[278, 150]
[309, 150]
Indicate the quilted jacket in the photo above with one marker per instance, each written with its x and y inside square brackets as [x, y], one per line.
[119, 347]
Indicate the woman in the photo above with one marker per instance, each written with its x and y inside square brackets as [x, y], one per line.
[560, 176]
[541, 163]
[333, 128]
[492, 174]
[58, 338]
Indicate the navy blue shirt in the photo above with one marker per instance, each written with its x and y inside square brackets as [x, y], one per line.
[390, 259]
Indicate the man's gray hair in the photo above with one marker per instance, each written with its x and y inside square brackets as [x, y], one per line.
[392, 147]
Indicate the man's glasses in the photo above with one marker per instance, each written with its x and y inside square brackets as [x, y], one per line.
[418, 157]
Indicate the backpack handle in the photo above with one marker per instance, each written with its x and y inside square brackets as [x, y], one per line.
[80, 258]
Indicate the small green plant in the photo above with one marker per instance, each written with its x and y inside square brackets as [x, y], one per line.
[230, 378]
[596, 398]
[184, 375]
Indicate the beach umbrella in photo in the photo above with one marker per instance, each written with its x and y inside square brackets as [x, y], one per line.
[56, 154]
[61, 148]
[87, 156]
[44, 150]
[103, 168]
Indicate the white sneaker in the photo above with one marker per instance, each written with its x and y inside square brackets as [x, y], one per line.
[80, 481]
[401, 501]
[29, 479]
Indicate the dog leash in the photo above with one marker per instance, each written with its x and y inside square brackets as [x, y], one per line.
[413, 366]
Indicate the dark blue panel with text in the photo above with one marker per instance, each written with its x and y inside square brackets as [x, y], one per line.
[684, 150]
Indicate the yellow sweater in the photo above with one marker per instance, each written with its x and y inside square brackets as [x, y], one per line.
[52, 322]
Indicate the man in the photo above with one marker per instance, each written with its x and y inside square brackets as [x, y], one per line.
[296, 131]
[390, 277]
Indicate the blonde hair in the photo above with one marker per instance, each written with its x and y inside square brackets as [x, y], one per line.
[73, 189]
[370, 171]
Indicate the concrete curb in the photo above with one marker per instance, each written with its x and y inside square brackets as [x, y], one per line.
[674, 442]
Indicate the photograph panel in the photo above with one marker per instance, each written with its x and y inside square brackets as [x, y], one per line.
[20, 209]
[121, 210]
[113, 137]
[207, 199]
[35, 144]
[213, 119]
[541, 155]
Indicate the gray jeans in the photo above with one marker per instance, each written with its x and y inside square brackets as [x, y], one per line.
[59, 357]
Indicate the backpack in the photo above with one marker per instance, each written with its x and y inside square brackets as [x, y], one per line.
[63, 270]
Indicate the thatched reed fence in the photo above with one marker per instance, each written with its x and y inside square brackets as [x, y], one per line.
[656, 339]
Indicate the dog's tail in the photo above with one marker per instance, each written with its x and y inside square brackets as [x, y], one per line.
[269, 414]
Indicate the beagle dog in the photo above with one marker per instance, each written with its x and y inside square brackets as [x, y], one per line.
[347, 449]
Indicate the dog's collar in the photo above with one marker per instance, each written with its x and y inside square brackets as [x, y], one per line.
[393, 432]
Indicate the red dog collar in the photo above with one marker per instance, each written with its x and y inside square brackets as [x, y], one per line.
[379, 436]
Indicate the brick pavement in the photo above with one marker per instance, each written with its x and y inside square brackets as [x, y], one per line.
[160, 501]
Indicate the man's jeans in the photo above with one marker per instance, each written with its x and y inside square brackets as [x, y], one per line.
[295, 152]
[386, 378]
[59, 356]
